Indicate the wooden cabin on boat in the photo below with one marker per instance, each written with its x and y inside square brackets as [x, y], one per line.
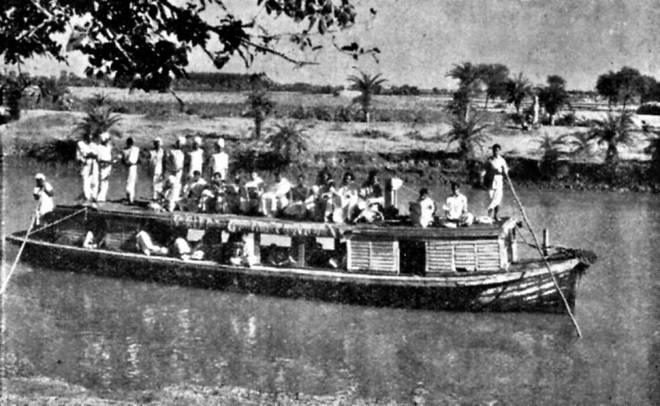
[393, 248]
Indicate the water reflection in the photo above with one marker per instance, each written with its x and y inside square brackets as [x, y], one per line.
[113, 335]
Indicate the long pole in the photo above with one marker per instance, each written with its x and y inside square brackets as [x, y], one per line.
[5, 283]
[545, 261]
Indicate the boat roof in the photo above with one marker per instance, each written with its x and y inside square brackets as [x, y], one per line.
[295, 228]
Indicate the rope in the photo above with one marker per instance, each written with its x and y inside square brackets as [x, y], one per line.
[59, 220]
[27, 234]
[5, 283]
[545, 261]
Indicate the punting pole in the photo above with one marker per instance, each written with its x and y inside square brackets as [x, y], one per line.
[5, 283]
[540, 251]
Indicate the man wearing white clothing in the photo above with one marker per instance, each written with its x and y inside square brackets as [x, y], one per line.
[426, 208]
[89, 170]
[104, 158]
[220, 160]
[156, 157]
[496, 168]
[456, 208]
[43, 194]
[277, 196]
[131, 157]
[196, 157]
[176, 159]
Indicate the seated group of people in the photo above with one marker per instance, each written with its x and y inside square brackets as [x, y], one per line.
[321, 202]
[455, 210]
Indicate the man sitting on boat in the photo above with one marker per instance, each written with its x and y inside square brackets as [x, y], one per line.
[95, 236]
[349, 199]
[371, 190]
[252, 191]
[300, 200]
[277, 197]
[456, 209]
[170, 195]
[423, 210]
[145, 245]
[192, 192]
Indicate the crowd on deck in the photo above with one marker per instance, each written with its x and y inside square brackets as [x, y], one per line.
[187, 179]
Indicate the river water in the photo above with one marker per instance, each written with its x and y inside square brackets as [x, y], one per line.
[115, 337]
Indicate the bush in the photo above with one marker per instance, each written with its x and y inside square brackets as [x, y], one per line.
[373, 134]
[649, 109]
[567, 120]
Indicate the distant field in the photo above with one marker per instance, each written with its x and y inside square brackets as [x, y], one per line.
[286, 98]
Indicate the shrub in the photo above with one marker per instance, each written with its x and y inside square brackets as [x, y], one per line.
[650, 109]
[373, 134]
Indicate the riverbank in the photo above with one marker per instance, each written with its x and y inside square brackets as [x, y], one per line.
[412, 151]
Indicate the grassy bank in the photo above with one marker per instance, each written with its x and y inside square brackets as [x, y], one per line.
[412, 151]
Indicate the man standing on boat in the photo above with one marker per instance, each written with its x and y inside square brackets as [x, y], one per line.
[131, 157]
[104, 158]
[176, 159]
[156, 157]
[496, 167]
[220, 160]
[196, 157]
[43, 194]
[89, 170]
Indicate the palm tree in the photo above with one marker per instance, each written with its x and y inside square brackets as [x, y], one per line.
[99, 119]
[614, 130]
[551, 149]
[517, 89]
[260, 107]
[469, 78]
[579, 144]
[468, 134]
[368, 85]
[495, 77]
[288, 141]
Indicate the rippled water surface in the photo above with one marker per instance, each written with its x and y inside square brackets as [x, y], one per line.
[116, 336]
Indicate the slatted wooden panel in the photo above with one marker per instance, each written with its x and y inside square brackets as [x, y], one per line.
[380, 256]
[468, 255]
[439, 256]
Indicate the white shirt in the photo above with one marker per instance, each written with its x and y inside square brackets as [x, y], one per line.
[84, 149]
[156, 161]
[194, 188]
[426, 211]
[499, 167]
[144, 243]
[455, 206]
[131, 155]
[104, 153]
[177, 157]
[196, 160]
[220, 162]
[46, 203]
[281, 188]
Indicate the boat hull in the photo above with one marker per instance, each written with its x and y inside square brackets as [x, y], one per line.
[525, 287]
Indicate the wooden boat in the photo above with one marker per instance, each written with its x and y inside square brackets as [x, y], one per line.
[472, 268]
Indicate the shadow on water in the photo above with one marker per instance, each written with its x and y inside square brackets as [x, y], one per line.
[116, 336]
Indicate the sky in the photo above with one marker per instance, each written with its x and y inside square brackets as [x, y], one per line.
[421, 40]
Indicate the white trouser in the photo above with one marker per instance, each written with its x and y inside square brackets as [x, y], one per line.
[104, 179]
[90, 174]
[131, 182]
[157, 184]
[496, 191]
[495, 198]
